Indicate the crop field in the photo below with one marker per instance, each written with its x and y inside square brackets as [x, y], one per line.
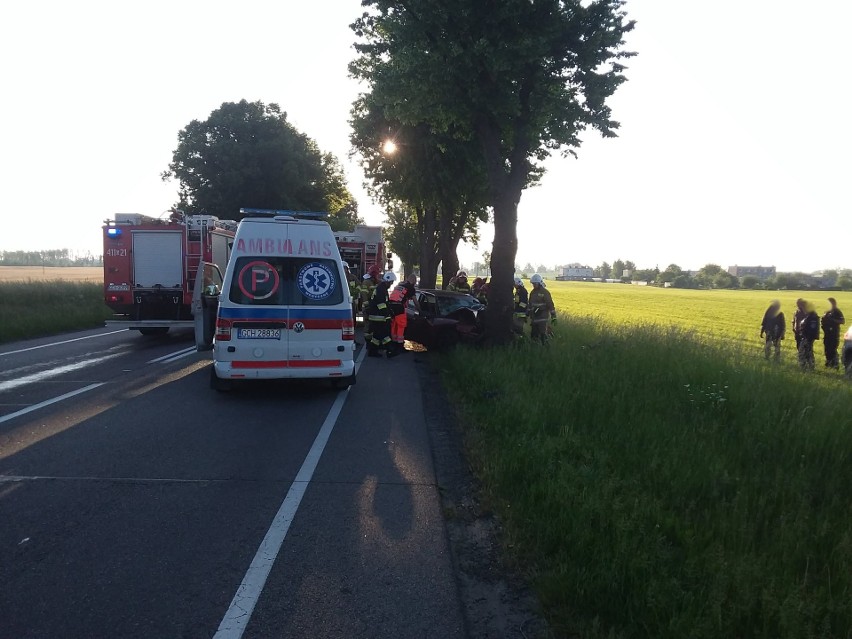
[49, 273]
[656, 477]
[711, 315]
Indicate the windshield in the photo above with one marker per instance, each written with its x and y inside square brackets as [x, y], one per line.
[450, 304]
[285, 281]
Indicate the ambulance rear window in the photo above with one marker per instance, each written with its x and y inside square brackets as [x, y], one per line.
[285, 281]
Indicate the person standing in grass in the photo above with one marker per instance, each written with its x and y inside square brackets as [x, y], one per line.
[798, 316]
[809, 332]
[772, 329]
[541, 309]
[831, 323]
[521, 299]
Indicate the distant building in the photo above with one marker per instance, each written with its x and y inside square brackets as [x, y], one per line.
[576, 272]
[760, 272]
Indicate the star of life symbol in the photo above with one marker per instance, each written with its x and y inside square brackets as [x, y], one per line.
[316, 281]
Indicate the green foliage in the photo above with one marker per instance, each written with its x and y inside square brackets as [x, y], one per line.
[684, 281]
[247, 155]
[516, 79]
[438, 177]
[723, 279]
[400, 233]
[845, 282]
[670, 274]
[645, 275]
[699, 492]
[749, 281]
[34, 308]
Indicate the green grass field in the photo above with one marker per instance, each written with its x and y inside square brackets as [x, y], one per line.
[713, 315]
[34, 308]
[658, 478]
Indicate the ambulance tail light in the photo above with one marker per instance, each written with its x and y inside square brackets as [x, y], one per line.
[223, 330]
[115, 299]
[348, 328]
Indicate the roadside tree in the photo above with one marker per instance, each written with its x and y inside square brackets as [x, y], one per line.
[518, 79]
[401, 235]
[246, 154]
[434, 174]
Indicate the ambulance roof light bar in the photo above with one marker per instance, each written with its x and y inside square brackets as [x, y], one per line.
[308, 215]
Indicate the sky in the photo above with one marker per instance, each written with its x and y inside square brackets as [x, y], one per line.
[732, 149]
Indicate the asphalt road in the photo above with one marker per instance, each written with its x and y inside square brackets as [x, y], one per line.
[134, 499]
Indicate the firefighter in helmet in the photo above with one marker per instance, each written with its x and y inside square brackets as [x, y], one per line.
[542, 312]
[521, 298]
[379, 317]
[368, 285]
[459, 283]
[399, 297]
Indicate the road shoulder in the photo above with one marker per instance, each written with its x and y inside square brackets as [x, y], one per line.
[495, 601]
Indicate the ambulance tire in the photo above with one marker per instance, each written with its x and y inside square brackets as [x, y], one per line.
[343, 382]
[218, 384]
[158, 330]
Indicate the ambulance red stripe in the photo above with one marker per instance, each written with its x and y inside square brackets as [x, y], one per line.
[294, 363]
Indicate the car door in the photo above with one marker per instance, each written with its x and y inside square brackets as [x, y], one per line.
[205, 304]
[419, 329]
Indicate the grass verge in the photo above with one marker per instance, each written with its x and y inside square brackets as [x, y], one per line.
[658, 487]
[35, 308]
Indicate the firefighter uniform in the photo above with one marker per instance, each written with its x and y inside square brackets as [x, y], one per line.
[379, 318]
[459, 287]
[541, 311]
[365, 293]
[459, 284]
[521, 298]
[399, 297]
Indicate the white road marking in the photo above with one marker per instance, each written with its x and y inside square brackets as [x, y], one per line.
[165, 359]
[242, 605]
[53, 372]
[48, 402]
[67, 341]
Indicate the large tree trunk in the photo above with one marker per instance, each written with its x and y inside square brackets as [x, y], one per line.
[503, 251]
[427, 229]
[505, 192]
[448, 244]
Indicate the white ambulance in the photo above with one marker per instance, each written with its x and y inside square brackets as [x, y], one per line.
[283, 308]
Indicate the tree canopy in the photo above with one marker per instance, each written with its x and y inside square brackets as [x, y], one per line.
[436, 176]
[516, 79]
[247, 155]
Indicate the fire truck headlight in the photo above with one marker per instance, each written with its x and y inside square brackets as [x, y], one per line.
[113, 232]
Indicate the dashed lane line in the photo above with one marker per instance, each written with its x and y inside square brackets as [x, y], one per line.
[48, 402]
[171, 357]
[239, 613]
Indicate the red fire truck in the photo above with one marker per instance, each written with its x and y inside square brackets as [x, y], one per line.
[150, 266]
[362, 248]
